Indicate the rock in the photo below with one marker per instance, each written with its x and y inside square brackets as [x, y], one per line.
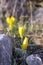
[34, 60]
[5, 50]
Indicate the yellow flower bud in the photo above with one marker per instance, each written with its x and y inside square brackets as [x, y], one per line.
[21, 31]
[10, 21]
[25, 44]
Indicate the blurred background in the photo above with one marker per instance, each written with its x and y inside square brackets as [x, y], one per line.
[27, 12]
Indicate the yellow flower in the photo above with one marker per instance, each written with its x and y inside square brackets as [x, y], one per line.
[25, 44]
[10, 21]
[21, 31]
